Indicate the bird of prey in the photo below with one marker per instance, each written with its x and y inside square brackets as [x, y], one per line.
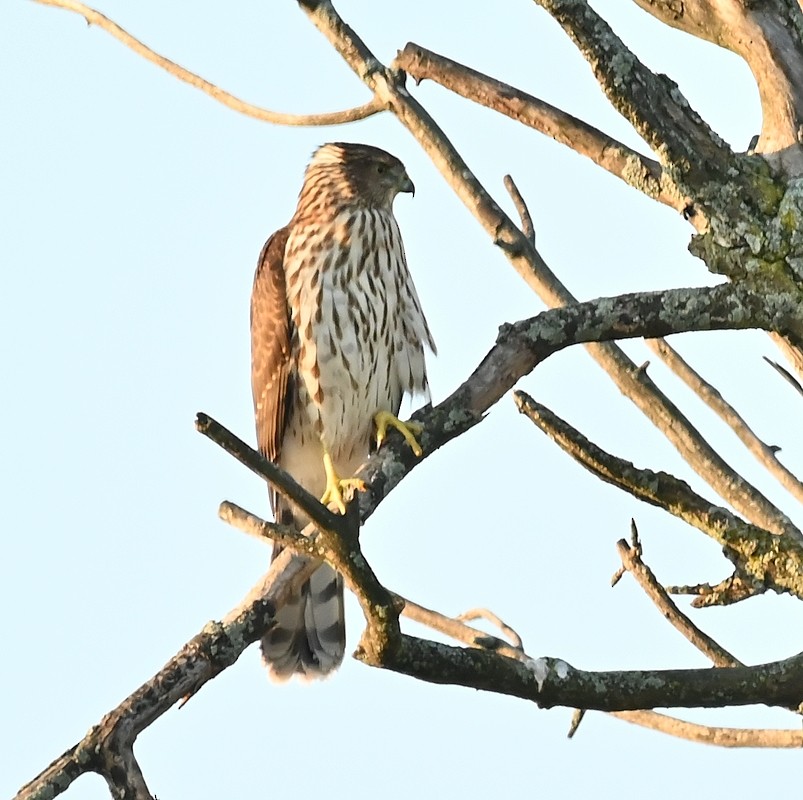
[337, 339]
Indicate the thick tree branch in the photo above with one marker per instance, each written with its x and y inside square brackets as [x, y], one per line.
[762, 560]
[638, 171]
[94, 17]
[551, 682]
[651, 103]
[768, 36]
[521, 347]
[108, 747]
[765, 454]
[546, 681]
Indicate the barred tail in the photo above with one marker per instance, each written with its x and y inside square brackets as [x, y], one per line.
[309, 638]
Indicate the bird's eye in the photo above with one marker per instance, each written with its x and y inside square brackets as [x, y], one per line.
[381, 169]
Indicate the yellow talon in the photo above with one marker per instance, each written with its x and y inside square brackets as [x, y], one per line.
[336, 486]
[383, 419]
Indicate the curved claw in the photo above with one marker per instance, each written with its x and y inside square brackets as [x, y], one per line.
[337, 486]
[384, 419]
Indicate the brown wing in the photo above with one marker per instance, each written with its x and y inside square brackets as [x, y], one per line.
[270, 346]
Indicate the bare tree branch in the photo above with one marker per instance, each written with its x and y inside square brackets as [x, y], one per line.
[765, 454]
[785, 374]
[94, 17]
[214, 649]
[632, 563]
[733, 589]
[768, 36]
[651, 103]
[311, 545]
[703, 734]
[546, 681]
[793, 353]
[280, 480]
[484, 613]
[763, 560]
[638, 171]
[527, 227]
[456, 629]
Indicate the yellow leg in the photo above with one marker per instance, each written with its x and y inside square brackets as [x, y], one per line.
[384, 419]
[336, 486]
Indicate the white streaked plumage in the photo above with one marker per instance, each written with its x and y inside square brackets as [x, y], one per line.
[350, 344]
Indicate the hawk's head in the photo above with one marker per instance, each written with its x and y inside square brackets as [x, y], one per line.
[361, 173]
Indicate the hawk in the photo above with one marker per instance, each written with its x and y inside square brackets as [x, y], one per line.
[337, 338]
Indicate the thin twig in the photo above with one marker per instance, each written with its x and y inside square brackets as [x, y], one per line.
[484, 613]
[94, 17]
[527, 227]
[704, 734]
[458, 630]
[283, 482]
[633, 563]
[791, 350]
[298, 542]
[578, 715]
[785, 374]
[765, 454]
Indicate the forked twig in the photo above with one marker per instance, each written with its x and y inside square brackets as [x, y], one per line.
[633, 563]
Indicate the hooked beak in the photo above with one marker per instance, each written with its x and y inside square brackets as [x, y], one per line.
[407, 185]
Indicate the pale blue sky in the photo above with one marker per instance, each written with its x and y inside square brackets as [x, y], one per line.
[133, 210]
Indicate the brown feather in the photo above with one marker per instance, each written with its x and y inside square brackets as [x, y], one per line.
[271, 353]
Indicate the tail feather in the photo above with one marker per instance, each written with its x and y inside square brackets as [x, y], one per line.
[309, 637]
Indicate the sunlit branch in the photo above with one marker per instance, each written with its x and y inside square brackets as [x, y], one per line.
[640, 172]
[527, 227]
[312, 545]
[94, 17]
[765, 454]
[705, 734]
[768, 37]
